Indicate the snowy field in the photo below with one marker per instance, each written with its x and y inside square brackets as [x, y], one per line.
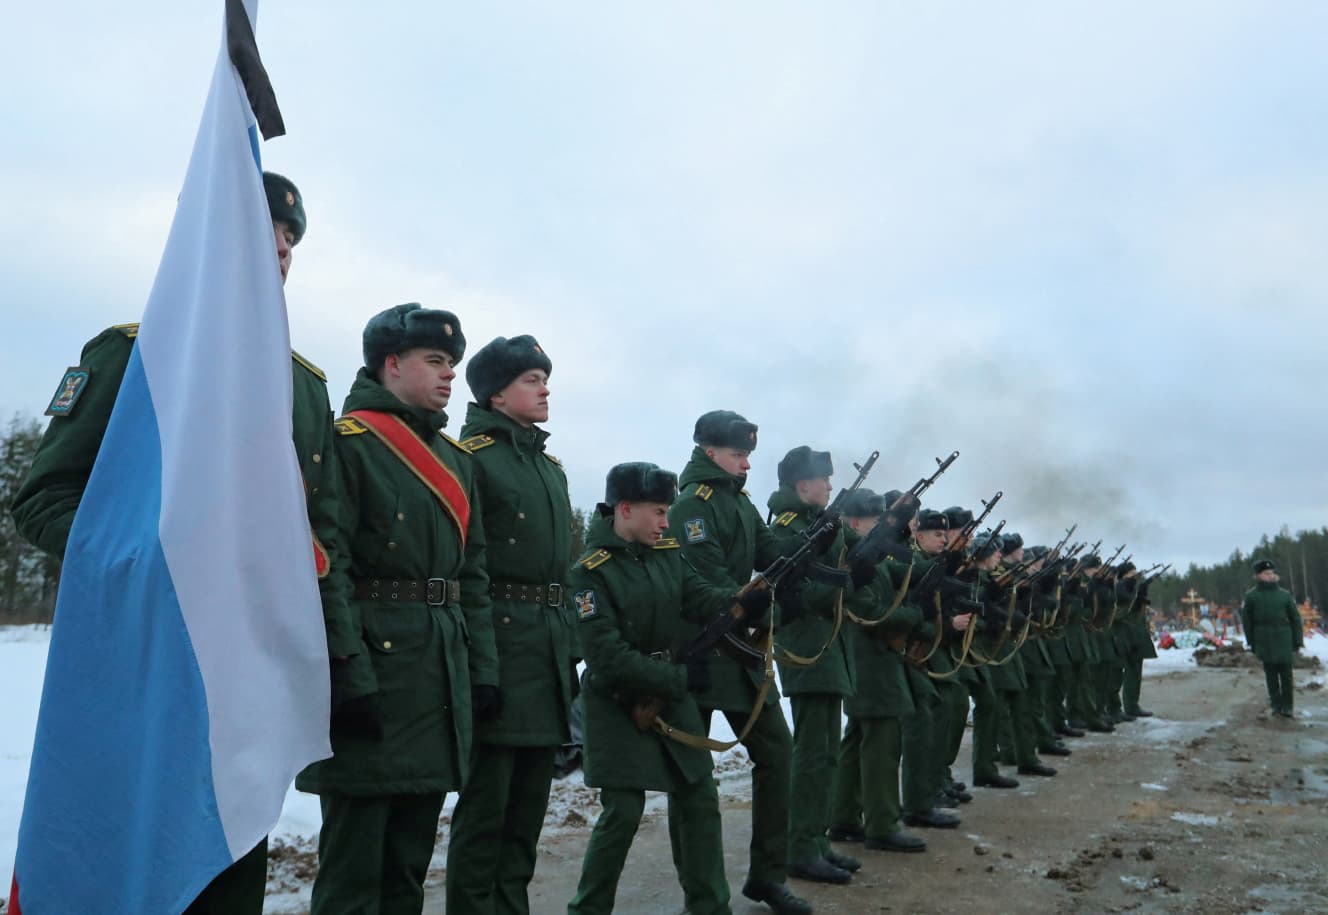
[23, 664]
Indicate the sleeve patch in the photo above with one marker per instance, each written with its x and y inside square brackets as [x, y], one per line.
[476, 442]
[694, 530]
[704, 492]
[667, 543]
[585, 605]
[596, 559]
[786, 519]
[349, 425]
[72, 386]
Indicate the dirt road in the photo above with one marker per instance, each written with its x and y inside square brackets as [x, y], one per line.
[1211, 807]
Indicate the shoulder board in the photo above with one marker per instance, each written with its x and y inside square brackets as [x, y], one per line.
[745, 493]
[476, 442]
[349, 425]
[552, 458]
[453, 442]
[129, 330]
[786, 519]
[667, 543]
[315, 370]
[704, 492]
[595, 559]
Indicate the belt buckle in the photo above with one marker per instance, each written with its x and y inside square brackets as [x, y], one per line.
[435, 592]
[554, 596]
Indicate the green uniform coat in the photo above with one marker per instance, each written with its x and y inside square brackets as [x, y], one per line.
[422, 659]
[528, 539]
[834, 673]
[630, 600]
[1272, 623]
[882, 684]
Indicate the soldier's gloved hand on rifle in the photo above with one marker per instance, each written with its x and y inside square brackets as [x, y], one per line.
[486, 702]
[824, 536]
[755, 605]
[863, 573]
[993, 619]
[791, 604]
[698, 673]
[358, 716]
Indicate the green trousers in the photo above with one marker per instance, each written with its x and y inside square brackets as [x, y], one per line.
[986, 725]
[1041, 690]
[374, 853]
[1059, 707]
[1115, 680]
[1280, 687]
[1085, 706]
[816, 732]
[769, 745]
[921, 767]
[496, 828]
[1018, 736]
[866, 793]
[238, 890]
[693, 815]
[1133, 685]
[954, 716]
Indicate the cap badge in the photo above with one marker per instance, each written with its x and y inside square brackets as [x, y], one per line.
[290, 199]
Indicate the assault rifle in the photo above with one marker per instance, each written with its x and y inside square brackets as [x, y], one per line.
[889, 536]
[792, 566]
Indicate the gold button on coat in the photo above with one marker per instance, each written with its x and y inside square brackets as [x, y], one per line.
[387, 645]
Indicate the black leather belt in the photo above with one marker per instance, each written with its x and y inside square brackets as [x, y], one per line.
[435, 592]
[550, 595]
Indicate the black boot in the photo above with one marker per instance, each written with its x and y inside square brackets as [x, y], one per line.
[777, 896]
[818, 870]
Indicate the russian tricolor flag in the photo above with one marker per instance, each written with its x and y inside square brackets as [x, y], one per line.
[187, 680]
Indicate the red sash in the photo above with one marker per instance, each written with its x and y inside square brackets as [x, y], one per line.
[402, 441]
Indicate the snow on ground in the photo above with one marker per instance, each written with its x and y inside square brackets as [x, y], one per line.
[1170, 659]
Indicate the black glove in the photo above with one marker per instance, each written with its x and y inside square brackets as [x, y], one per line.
[359, 717]
[791, 605]
[486, 702]
[824, 536]
[863, 573]
[755, 605]
[353, 716]
[698, 673]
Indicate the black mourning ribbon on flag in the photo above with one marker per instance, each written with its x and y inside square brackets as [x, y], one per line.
[243, 51]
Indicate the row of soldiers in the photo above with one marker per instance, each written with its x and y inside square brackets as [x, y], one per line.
[454, 629]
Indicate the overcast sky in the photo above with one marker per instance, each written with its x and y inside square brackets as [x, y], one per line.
[1086, 245]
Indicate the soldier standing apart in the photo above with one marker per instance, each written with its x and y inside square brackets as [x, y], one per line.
[630, 592]
[814, 667]
[527, 531]
[1275, 633]
[45, 505]
[724, 538]
[426, 668]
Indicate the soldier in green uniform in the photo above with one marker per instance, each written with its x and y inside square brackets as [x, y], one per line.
[926, 781]
[1084, 707]
[426, 668]
[867, 804]
[816, 671]
[1033, 655]
[967, 603]
[1274, 632]
[1138, 647]
[630, 592]
[1059, 648]
[931, 538]
[1101, 601]
[527, 531]
[724, 538]
[1043, 604]
[45, 504]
